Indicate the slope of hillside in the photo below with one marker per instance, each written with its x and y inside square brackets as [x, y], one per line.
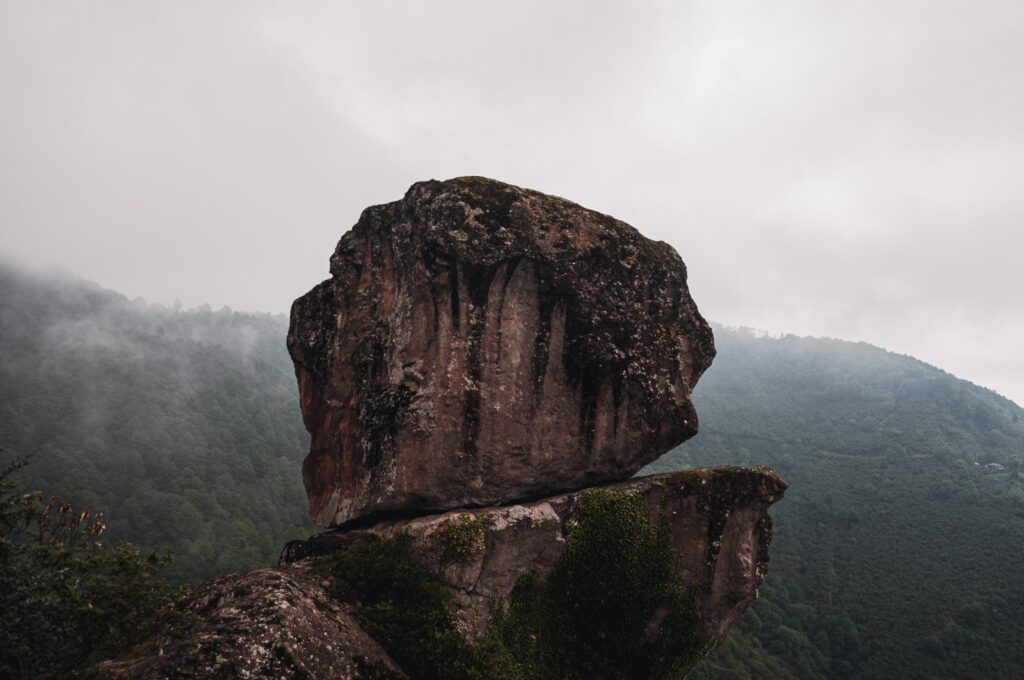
[181, 426]
[897, 552]
[896, 555]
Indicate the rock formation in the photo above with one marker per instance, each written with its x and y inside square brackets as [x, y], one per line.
[479, 343]
[482, 357]
[281, 623]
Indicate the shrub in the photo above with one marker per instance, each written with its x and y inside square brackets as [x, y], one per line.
[615, 605]
[403, 606]
[67, 601]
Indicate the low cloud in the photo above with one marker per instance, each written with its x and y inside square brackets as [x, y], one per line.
[846, 170]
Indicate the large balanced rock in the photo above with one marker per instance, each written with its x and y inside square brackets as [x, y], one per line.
[479, 343]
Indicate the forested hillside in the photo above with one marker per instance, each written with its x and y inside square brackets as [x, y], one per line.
[183, 427]
[897, 552]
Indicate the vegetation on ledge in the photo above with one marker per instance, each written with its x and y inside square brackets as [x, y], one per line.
[464, 537]
[590, 618]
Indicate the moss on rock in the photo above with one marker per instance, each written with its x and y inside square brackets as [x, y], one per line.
[464, 536]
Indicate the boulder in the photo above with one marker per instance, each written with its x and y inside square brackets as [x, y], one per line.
[479, 343]
[269, 624]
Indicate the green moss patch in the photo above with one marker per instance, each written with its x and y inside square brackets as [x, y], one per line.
[464, 536]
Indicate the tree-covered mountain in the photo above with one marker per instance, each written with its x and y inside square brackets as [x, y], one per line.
[183, 427]
[896, 554]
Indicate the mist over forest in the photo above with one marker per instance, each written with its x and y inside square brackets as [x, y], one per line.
[183, 427]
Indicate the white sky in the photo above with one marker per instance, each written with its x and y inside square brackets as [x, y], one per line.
[846, 169]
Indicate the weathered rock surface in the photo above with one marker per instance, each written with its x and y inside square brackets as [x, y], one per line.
[267, 624]
[479, 343]
[718, 516]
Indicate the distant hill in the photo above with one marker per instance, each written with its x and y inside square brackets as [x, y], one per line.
[183, 427]
[897, 553]
[895, 556]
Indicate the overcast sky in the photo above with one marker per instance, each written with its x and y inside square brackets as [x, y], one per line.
[844, 169]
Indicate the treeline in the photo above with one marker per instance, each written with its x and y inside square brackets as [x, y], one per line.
[896, 552]
[183, 427]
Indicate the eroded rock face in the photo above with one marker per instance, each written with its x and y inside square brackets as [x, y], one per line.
[718, 516]
[479, 343]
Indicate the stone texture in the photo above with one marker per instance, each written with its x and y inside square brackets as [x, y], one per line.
[719, 520]
[479, 343]
[269, 624]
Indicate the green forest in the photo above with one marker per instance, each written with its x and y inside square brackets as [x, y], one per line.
[182, 427]
[896, 551]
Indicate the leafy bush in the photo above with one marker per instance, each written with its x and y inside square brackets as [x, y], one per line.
[66, 600]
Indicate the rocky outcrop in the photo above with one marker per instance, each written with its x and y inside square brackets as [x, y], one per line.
[719, 524]
[282, 623]
[270, 624]
[478, 343]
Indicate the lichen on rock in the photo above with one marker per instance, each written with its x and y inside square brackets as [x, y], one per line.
[275, 623]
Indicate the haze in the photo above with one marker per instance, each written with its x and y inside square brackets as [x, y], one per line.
[835, 169]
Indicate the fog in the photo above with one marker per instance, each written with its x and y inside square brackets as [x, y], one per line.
[833, 169]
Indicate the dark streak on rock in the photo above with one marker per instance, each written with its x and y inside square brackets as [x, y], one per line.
[478, 283]
[453, 287]
[546, 301]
